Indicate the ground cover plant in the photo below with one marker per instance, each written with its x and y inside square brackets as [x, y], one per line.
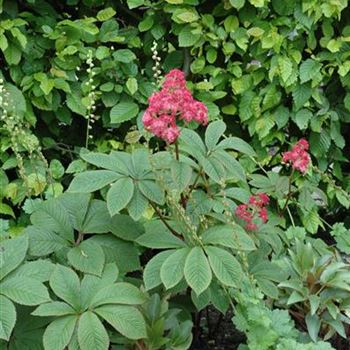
[174, 174]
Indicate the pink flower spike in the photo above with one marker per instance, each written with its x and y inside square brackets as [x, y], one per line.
[174, 101]
[298, 156]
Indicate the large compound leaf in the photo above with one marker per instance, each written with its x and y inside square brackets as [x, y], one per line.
[127, 320]
[12, 253]
[92, 335]
[197, 270]
[59, 333]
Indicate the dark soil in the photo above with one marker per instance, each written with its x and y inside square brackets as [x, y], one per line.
[216, 332]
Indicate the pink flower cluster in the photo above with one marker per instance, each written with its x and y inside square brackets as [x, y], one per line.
[174, 101]
[298, 156]
[255, 207]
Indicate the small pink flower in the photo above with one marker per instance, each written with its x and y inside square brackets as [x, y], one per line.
[174, 101]
[298, 156]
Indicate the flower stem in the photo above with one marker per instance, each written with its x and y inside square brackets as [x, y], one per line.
[290, 193]
[162, 218]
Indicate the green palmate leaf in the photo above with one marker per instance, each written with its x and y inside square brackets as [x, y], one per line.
[65, 284]
[126, 228]
[88, 257]
[53, 216]
[214, 169]
[202, 300]
[172, 270]
[137, 205]
[191, 142]
[228, 236]
[97, 219]
[93, 180]
[118, 293]
[237, 144]
[160, 241]
[119, 195]
[213, 133]
[123, 111]
[124, 254]
[44, 242]
[151, 191]
[12, 253]
[91, 333]
[8, 317]
[39, 270]
[151, 274]
[55, 308]
[225, 267]
[181, 174]
[197, 270]
[24, 290]
[111, 161]
[59, 333]
[127, 320]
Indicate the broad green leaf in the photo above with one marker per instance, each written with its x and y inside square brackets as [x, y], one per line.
[92, 335]
[228, 236]
[12, 253]
[172, 270]
[125, 56]
[65, 284]
[181, 174]
[97, 218]
[105, 14]
[160, 241]
[123, 111]
[7, 319]
[53, 216]
[152, 191]
[238, 4]
[87, 257]
[24, 290]
[151, 274]
[237, 144]
[39, 270]
[213, 133]
[124, 254]
[92, 180]
[214, 169]
[107, 161]
[118, 293]
[313, 324]
[197, 270]
[309, 69]
[187, 38]
[134, 3]
[127, 320]
[43, 242]
[119, 195]
[225, 266]
[137, 205]
[59, 333]
[301, 94]
[302, 118]
[54, 308]
[123, 226]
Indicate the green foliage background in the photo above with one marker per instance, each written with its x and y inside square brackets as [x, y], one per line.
[275, 71]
